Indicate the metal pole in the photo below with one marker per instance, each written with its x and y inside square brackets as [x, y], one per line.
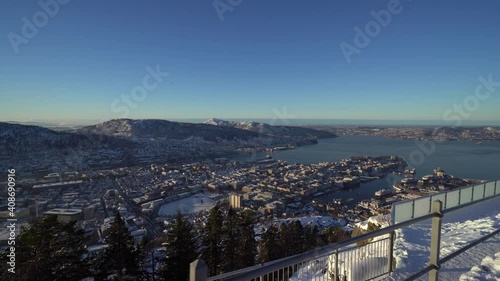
[459, 196]
[198, 271]
[153, 261]
[413, 209]
[390, 266]
[337, 264]
[437, 209]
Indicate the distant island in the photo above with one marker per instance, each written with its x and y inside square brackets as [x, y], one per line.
[477, 134]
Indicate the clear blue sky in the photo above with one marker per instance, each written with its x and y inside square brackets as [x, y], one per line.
[265, 55]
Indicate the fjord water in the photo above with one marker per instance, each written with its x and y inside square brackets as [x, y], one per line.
[463, 159]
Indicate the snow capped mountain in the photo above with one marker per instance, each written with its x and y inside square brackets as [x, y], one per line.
[15, 139]
[271, 130]
[127, 141]
[155, 128]
[219, 122]
[25, 138]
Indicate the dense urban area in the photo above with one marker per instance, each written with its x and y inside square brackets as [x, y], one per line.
[171, 194]
[275, 201]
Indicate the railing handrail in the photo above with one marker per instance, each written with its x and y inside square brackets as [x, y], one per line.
[319, 252]
[432, 197]
[445, 191]
[263, 268]
[428, 268]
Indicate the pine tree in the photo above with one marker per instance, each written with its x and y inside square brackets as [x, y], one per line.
[247, 247]
[331, 235]
[212, 240]
[269, 245]
[181, 251]
[284, 240]
[49, 250]
[231, 236]
[297, 241]
[310, 238]
[121, 257]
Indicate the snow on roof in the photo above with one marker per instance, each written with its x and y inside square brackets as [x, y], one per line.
[380, 220]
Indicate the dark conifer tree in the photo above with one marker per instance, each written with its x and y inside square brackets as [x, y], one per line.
[247, 247]
[212, 241]
[286, 240]
[310, 238]
[121, 258]
[181, 251]
[269, 244]
[48, 250]
[231, 237]
[296, 236]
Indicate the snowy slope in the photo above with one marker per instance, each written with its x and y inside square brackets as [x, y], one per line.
[458, 229]
[271, 130]
[190, 205]
[412, 245]
[488, 270]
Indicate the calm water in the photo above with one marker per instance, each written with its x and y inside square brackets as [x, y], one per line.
[462, 159]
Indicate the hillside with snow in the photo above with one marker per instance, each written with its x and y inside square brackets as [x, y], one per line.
[489, 269]
[271, 130]
[126, 142]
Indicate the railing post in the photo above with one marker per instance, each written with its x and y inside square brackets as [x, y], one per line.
[198, 271]
[390, 265]
[437, 208]
[337, 265]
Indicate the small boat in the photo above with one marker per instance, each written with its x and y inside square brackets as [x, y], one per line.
[479, 142]
[383, 192]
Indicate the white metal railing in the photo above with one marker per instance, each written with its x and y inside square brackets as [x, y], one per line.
[407, 210]
[345, 260]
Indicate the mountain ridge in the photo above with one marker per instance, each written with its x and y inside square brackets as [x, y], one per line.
[131, 141]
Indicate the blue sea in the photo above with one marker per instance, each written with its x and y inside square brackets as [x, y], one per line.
[463, 159]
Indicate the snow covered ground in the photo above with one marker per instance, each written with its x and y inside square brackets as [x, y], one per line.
[411, 249]
[320, 221]
[193, 204]
[488, 270]
[458, 229]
